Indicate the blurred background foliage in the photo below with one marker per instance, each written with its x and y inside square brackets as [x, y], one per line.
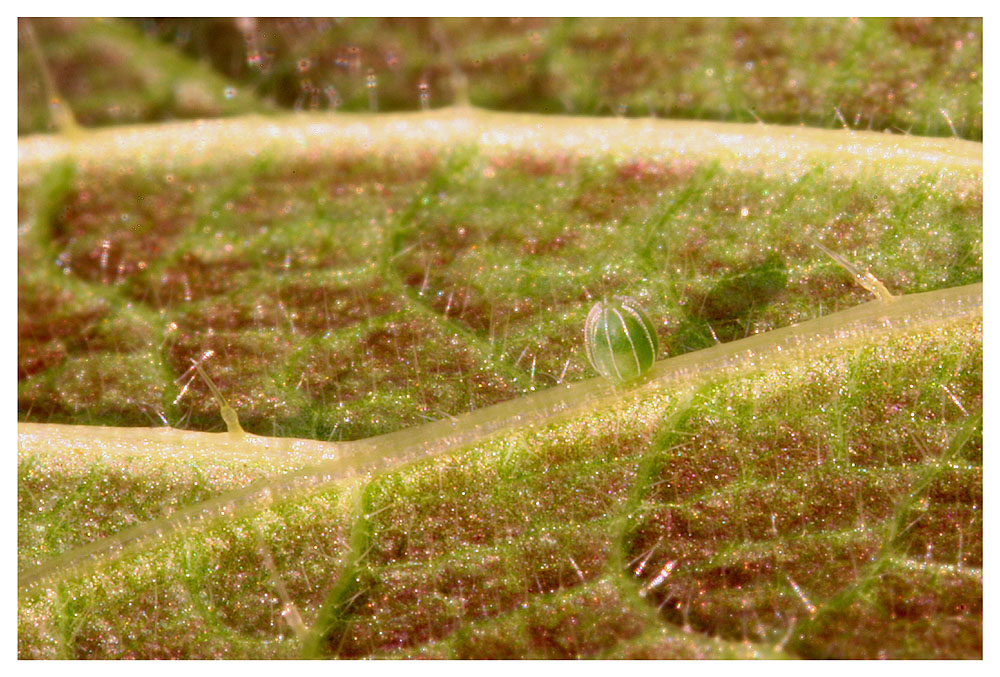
[909, 75]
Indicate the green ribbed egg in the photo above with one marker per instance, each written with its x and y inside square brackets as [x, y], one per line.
[620, 339]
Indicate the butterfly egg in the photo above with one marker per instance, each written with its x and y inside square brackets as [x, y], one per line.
[620, 339]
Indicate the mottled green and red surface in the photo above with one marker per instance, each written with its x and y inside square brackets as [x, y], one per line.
[829, 508]
[341, 301]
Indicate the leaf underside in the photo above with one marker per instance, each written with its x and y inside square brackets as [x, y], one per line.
[827, 508]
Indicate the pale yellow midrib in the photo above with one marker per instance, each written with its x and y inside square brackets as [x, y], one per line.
[769, 149]
[334, 462]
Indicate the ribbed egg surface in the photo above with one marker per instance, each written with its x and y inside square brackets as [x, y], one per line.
[620, 339]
